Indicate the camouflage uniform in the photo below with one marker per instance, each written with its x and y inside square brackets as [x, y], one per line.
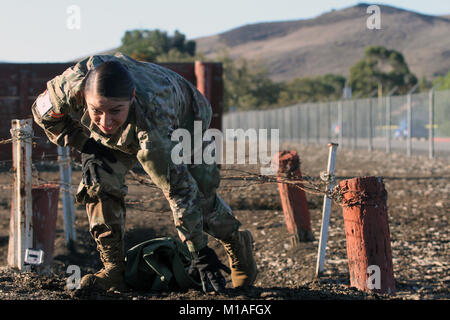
[164, 102]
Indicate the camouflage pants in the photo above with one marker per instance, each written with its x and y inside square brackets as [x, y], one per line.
[105, 204]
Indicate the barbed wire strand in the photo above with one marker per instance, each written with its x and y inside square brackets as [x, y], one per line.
[309, 184]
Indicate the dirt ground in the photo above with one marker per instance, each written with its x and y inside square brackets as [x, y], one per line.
[418, 208]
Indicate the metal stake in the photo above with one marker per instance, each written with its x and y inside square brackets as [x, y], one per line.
[65, 171]
[431, 124]
[409, 105]
[326, 211]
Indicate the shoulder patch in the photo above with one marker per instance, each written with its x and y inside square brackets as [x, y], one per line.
[43, 103]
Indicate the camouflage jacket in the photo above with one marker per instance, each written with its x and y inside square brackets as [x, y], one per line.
[164, 102]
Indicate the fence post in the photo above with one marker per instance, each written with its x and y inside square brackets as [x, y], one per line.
[297, 133]
[329, 120]
[388, 119]
[370, 126]
[354, 127]
[287, 123]
[21, 228]
[65, 171]
[370, 120]
[367, 234]
[307, 123]
[341, 123]
[388, 124]
[409, 119]
[317, 106]
[293, 199]
[409, 106]
[431, 124]
[326, 210]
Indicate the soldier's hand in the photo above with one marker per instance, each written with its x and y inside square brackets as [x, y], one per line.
[209, 267]
[92, 158]
[90, 166]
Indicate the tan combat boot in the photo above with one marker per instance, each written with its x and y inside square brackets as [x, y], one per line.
[111, 276]
[239, 249]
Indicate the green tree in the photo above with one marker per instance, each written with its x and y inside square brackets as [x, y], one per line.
[321, 88]
[381, 65]
[152, 45]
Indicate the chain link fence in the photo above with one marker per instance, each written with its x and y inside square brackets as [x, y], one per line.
[414, 124]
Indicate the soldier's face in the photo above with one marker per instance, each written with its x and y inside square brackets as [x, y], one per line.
[109, 114]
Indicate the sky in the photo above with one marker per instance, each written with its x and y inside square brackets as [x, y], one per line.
[65, 30]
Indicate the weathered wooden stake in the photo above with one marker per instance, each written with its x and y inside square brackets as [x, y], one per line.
[293, 199]
[367, 233]
[21, 228]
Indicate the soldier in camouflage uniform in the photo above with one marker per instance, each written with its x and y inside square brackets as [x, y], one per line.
[82, 108]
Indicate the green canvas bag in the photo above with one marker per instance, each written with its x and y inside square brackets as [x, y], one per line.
[159, 264]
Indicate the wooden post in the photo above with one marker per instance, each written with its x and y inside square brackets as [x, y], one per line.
[367, 234]
[293, 199]
[21, 228]
[65, 171]
[326, 211]
[209, 78]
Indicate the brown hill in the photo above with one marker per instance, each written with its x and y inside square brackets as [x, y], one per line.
[334, 41]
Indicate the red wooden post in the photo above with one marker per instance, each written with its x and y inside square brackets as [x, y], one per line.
[293, 199]
[45, 211]
[367, 233]
[210, 83]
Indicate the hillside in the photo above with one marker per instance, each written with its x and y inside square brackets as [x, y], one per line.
[333, 41]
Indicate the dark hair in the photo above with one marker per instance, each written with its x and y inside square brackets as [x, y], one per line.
[110, 80]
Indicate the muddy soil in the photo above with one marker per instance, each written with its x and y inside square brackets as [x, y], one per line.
[418, 208]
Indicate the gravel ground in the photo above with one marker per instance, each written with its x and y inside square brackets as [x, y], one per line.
[418, 209]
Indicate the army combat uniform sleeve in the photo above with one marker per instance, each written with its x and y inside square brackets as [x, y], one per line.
[56, 109]
[178, 185]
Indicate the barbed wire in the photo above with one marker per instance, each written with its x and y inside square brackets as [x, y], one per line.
[20, 134]
[6, 141]
[142, 180]
[316, 185]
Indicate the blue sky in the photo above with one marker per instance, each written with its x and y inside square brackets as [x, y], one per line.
[37, 31]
